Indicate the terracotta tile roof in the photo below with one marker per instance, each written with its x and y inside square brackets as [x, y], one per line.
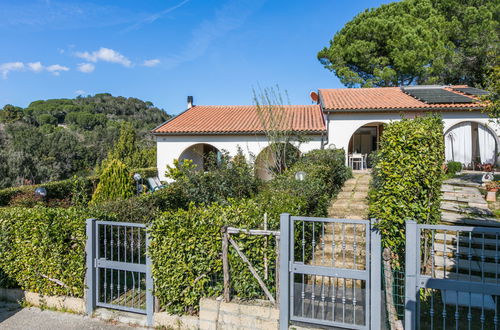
[232, 119]
[381, 99]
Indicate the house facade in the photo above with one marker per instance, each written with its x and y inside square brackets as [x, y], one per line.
[352, 119]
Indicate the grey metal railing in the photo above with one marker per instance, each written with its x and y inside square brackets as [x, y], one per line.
[330, 272]
[452, 277]
[118, 267]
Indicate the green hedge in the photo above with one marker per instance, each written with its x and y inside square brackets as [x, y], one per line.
[58, 192]
[407, 177]
[43, 249]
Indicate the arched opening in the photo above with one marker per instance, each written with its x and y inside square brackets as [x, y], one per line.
[363, 142]
[201, 154]
[274, 159]
[472, 144]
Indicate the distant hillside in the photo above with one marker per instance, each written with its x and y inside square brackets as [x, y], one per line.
[56, 139]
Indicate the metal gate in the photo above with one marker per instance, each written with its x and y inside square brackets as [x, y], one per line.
[330, 272]
[452, 277]
[118, 268]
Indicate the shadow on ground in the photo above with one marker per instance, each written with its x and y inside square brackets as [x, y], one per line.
[8, 309]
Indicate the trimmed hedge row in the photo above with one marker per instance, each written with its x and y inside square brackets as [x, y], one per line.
[57, 191]
[407, 177]
[43, 249]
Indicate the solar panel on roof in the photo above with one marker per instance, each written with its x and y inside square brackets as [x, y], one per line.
[433, 95]
[471, 91]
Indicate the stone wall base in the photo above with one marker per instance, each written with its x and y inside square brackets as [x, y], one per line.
[71, 304]
[216, 314]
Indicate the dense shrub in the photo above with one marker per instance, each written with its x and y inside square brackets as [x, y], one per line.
[407, 176]
[59, 191]
[43, 249]
[453, 167]
[115, 182]
[56, 190]
[224, 178]
[325, 175]
[143, 208]
[186, 247]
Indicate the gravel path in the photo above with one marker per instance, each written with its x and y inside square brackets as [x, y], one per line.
[13, 317]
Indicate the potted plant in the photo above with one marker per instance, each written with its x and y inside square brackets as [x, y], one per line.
[492, 188]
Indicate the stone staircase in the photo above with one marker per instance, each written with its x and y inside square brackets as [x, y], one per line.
[458, 255]
[463, 204]
[352, 201]
[344, 245]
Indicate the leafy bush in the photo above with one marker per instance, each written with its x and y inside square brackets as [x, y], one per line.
[453, 167]
[43, 249]
[325, 175]
[186, 247]
[225, 178]
[115, 182]
[407, 177]
[56, 190]
[77, 189]
[143, 208]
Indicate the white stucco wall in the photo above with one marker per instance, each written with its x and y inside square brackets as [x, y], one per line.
[170, 147]
[341, 126]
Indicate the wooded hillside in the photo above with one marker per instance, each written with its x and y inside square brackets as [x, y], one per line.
[56, 139]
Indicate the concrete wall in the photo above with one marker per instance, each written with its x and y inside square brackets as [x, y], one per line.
[258, 315]
[170, 147]
[341, 126]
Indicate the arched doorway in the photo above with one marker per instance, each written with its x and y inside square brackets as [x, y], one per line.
[273, 159]
[201, 154]
[471, 144]
[363, 142]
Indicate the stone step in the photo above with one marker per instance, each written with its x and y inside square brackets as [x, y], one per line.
[460, 219]
[451, 249]
[461, 183]
[362, 188]
[348, 204]
[481, 209]
[475, 241]
[442, 262]
[345, 195]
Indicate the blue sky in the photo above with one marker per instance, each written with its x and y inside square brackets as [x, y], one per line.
[162, 51]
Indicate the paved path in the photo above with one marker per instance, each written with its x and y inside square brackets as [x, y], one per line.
[13, 317]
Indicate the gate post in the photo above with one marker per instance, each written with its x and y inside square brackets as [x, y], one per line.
[284, 286]
[149, 284]
[375, 276]
[412, 254]
[90, 276]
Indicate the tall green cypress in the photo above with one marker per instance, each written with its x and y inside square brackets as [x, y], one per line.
[114, 182]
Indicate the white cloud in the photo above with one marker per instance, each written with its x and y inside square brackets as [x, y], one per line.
[152, 62]
[56, 69]
[35, 66]
[86, 67]
[80, 92]
[5, 68]
[106, 55]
